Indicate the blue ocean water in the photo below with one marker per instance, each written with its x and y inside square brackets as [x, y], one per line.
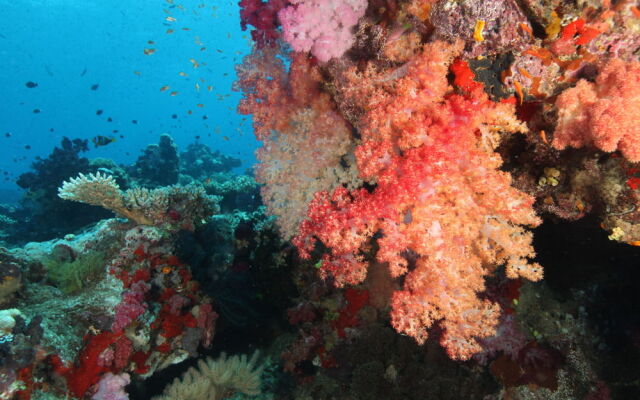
[93, 78]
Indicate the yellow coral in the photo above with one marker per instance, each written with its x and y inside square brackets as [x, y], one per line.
[216, 379]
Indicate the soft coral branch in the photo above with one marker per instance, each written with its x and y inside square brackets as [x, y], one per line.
[604, 114]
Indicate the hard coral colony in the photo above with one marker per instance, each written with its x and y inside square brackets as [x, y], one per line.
[409, 150]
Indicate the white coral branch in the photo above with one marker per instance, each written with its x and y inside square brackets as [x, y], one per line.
[96, 189]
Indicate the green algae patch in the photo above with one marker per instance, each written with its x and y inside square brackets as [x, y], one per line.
[73, 276]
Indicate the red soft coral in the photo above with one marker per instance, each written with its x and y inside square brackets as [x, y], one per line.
[263, 16]
[605, 114]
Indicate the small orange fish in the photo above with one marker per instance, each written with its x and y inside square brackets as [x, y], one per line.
[171, 19]
[137, 73]
[189, 112]
[194, 62]
[200, 105]
[226, 138]
[197, 87]
[166, 87]
[209, 88]
[543, 136]
[183, 74]
[185, 29]
[527, 29]
[149, 52]
[519, 91]
[169, 31]
[174, 93]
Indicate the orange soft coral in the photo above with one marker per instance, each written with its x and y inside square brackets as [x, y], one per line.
[440, 200]
[604, 114]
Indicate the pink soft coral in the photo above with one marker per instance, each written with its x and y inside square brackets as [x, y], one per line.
[605, 114]
[111, 387]
[323, 27]
[131, 306]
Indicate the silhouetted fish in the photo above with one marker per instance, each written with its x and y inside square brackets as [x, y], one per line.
[95, 86]
[31, 84]
[102, 140]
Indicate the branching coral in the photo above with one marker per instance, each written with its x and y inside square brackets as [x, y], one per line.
[217, 379]
[99, 190]
[174, 205]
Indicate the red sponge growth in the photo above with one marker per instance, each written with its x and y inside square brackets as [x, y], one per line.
[88, 370]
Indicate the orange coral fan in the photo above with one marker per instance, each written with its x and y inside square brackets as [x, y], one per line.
[440, 200]
[605, 114]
